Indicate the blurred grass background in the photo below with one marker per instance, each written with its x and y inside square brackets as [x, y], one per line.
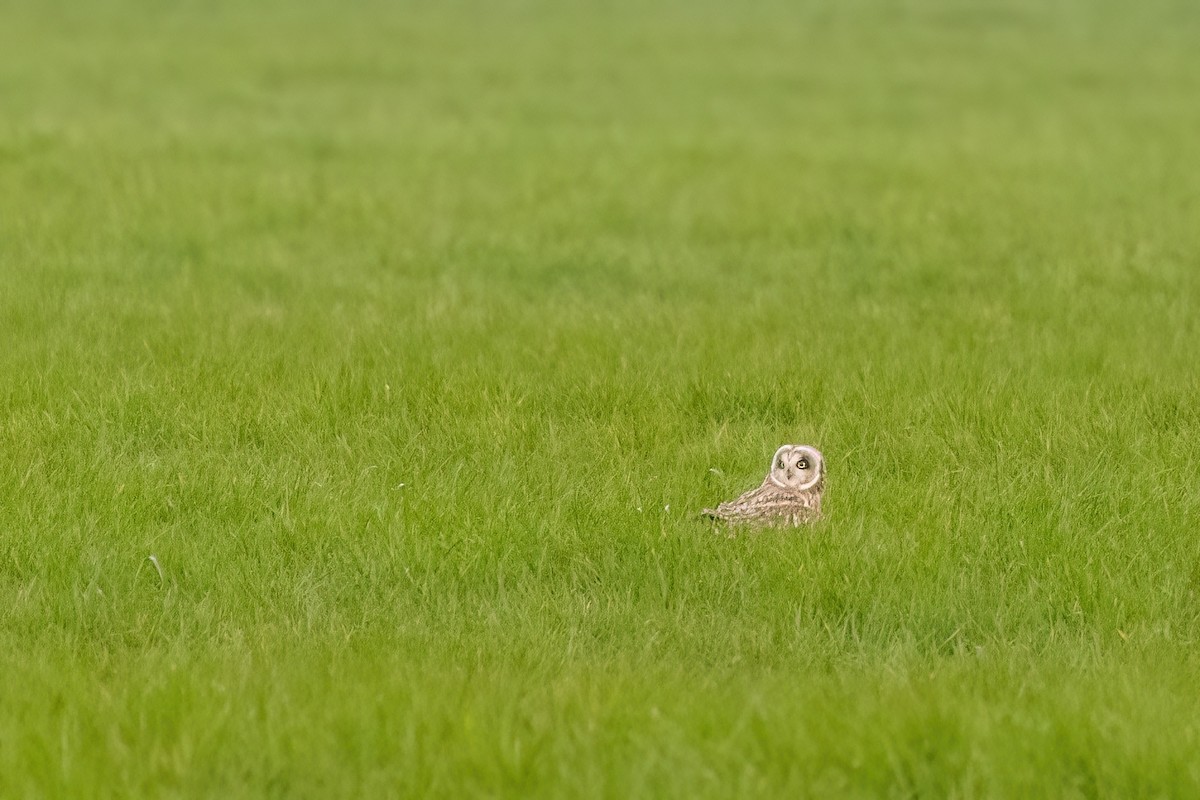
[408, 338]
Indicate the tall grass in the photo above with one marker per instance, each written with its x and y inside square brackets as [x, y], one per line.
[409, 338]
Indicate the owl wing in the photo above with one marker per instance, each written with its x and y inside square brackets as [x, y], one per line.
[768, 505]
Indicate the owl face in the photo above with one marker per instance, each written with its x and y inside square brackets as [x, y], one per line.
[797, 466]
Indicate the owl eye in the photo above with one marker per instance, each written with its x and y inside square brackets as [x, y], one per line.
[802, 463]
[782, 465]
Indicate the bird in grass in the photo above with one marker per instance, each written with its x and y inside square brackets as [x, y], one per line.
[789, 496]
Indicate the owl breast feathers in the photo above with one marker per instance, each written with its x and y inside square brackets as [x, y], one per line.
[789, 496]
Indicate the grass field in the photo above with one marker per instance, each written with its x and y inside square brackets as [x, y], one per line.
[409, 337]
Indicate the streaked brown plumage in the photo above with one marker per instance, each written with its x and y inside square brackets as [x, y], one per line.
[789, 496]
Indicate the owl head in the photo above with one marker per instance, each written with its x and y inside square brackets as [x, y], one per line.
[797, 466]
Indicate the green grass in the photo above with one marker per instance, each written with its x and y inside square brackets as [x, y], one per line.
[408, 338]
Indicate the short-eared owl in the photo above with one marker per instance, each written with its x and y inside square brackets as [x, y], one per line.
[790, 495]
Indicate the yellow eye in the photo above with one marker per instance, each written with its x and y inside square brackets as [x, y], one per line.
[781, 464]
[802, 463]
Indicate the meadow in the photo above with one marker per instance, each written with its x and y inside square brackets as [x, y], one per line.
[363, 367]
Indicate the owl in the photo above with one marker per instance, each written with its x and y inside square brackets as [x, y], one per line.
[790, 495]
